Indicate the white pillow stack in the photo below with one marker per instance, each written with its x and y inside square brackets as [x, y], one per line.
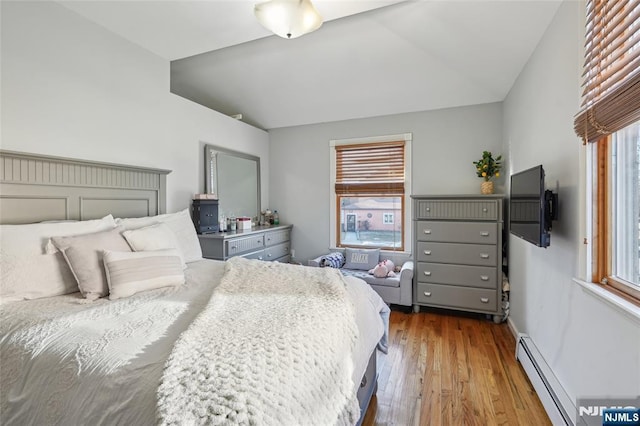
[56, 258]
[27, 271]
[181, 225]
[153, 237]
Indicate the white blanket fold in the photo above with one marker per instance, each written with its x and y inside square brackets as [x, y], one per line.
[238, 364]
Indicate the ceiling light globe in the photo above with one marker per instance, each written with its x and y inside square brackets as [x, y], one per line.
[288, 18]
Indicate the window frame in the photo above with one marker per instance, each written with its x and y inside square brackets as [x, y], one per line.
[334, 207]
[602, 224]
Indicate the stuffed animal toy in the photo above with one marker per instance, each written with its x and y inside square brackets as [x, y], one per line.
[383, 269]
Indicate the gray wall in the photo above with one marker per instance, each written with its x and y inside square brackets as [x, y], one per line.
[71, 88]
[445, 143]
[593, 348]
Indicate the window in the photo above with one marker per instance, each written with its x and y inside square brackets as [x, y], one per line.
[610, 122]
[369, 183]
[617, 230]
[625, 192]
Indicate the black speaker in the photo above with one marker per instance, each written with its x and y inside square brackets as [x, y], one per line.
[205, 216]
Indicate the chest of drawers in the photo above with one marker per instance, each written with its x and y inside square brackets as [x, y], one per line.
[262, 242]
[458, 253]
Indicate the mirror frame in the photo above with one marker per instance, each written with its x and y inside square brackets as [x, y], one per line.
[211, 170]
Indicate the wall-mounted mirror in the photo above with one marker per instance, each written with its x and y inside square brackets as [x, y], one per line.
[235, 178]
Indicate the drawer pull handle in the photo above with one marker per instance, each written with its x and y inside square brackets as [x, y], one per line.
[427, 252]
[484, 255]
[484, 234]
[484, 210]
[233, 247]
[427, 231]
[427, 273]
[484, 299]
[269, 255]
[484, 277]
[427, 293]
[428, 209]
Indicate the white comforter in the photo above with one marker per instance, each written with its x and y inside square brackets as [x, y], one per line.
[64, 361]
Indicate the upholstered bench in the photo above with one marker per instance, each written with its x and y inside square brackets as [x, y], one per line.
[396, 290]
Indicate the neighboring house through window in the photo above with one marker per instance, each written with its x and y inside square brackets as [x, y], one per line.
[369, 192]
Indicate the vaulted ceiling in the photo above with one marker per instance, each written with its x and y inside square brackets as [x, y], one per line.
[370, 58]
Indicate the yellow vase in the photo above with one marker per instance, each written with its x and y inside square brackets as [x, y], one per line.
[486, 187]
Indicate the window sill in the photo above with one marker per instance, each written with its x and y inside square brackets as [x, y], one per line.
[617, 302]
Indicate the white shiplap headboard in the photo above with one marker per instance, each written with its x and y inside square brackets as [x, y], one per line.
[34, 188]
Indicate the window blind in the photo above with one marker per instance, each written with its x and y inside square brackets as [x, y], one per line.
[611, 87]
[370, 169]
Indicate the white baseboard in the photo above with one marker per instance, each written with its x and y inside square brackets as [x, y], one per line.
[559, 407]
[513, 328]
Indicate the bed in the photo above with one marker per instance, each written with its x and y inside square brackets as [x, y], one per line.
[195, 342]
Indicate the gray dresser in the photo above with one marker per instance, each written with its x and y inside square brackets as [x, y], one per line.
[262, 242]
[458, 251]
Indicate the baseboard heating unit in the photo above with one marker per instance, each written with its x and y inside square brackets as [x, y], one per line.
[559, 407]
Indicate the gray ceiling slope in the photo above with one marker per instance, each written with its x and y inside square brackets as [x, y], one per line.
[370, 58]
[174, 29]
[407, 57]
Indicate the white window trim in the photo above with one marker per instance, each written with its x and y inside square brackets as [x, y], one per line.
[407, 138]
[612, 299]
[386, 216]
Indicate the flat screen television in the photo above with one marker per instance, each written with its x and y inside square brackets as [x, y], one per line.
[531, 207]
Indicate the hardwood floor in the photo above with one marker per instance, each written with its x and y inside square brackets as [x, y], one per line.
[452, 369]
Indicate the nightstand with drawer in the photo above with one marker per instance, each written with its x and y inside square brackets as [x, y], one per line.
[458, 253]
[271, 243]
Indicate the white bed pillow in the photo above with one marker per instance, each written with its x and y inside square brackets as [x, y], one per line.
[181, 225]
[27, 271]
[83, 254]
[153, 237]
[129, 273]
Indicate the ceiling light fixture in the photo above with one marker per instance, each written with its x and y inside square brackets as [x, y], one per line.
[288, 18]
